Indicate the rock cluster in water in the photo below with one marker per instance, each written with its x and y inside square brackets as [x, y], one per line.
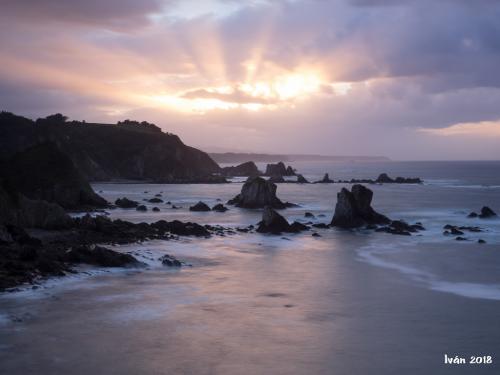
[272, 222]
[279, 169]
[486, 213]
[248, 169]
[353, 209]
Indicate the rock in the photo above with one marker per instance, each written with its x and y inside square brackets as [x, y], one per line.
[156, 209]
[200, 206]
[180, 228]
[487, 213]
[99, 256]
[309, 214]
[353, 209]
[274, 223]
[472, 215]
[384, 179]
[257, 193]
[141, 208]
[170, 261]
[481, 241]
[158, 195]
[248, 169]
[325, 180]
[43, 172]
[155, 200]
[301, 179]
[316, 234]
[461, 239]
[276, 179]
[399, 227]
[126, 203]
[321, 226]
[219, 207]
[279, 169]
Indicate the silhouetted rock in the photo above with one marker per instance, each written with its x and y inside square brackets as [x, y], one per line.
[308, 214]
[242, 170]
[279, 169]
[219, 207]
[353, 209]
[155, 200]
[180, 228]
[273, 222]
[472, 215]
[142, 208]
[301, 179]
[257, 193]
[481, 241]
[200, 206]
[487, 213]
[43, 172]
[126, 203]
[384, 179]
[156, 209]
[129, 150]
[325, 180]
[399, 227]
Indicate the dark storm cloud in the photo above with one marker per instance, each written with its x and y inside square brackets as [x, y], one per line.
[108, 13]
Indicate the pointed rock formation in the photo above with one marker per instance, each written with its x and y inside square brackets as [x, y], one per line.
[200, 206]
[272, 222]
[301, 179]
[325, 180]
[279, 169]
[258, 193]
[354, 209]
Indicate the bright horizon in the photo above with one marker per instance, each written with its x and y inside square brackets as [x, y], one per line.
[397, 78]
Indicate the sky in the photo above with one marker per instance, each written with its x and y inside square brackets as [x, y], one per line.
[406, 79]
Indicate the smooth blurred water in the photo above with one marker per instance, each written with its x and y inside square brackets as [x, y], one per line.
[343, 303]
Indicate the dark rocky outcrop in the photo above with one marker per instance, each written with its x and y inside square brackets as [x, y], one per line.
[258, 193]
[219, 207]
[200, 206]
[181, 228]
[155, 200]
[102, 152]
[99, 256]
[353, 209]
[325, 180]
[142, 208]
[401, 227]
[487, 213]
[43, 172]
[248, 169]
[301, 179]
[126, 203]
[272, 222]
[279, 169]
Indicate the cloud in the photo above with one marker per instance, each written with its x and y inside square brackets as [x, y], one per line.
[481, 129]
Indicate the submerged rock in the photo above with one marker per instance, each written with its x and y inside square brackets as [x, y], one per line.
[200, 206]
[99, 256]
[353, 209]
[126, 203]
[258, 193]
[219, 207]
[170, 261]
[155, 200]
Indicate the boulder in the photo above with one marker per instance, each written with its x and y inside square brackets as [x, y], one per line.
[200, 206]
[257, 193]
[180, 228]
[301, 179]
[242, 170]
[309, 214]
[99, 256]
[487, 213]
[142, 208]
[219, 207]
[353, 209]
[126, 203]
[272, 222]
[155, 200]
[325, 180]
[156, 209]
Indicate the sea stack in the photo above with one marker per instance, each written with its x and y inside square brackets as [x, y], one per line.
[257, 193]
[325, 180]
[354, 209]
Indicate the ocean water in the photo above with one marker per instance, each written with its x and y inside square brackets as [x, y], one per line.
[348, 302]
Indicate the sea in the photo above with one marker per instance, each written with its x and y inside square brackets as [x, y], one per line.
[345, 302]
